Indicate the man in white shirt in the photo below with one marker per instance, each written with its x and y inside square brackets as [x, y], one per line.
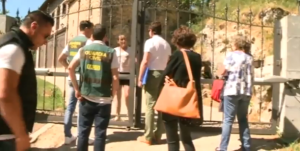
[18, 85]
[70, 50]
[99, 82]
[156, 55]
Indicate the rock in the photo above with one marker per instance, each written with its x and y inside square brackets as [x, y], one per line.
[266, 115]
[222, 26]
[270, 14]
[216, 40]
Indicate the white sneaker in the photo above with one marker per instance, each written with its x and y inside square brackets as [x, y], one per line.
[69, 140]
[91, 141]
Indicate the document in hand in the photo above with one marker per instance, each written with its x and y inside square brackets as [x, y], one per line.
[145, 76]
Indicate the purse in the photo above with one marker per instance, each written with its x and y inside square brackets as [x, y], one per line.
[179, 101]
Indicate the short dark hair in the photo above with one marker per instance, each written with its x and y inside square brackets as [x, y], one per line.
[37, 16]
[156, 27]
[85, 24]
[184, 37]
[99, 32]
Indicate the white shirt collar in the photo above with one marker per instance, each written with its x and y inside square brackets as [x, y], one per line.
[156, 36]
[99, 42]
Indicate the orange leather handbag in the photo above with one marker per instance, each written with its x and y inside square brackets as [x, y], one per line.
[179, 101]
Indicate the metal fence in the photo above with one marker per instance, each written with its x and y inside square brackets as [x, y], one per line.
[215, 24]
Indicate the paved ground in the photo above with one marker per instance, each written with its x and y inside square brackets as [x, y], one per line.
[51, 137]
[122, 140]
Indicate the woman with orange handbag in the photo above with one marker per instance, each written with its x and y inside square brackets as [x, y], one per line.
[177, 73]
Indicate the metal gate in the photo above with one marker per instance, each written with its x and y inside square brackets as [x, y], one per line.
[214, 23]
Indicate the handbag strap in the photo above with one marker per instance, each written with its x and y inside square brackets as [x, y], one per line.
[187, 64]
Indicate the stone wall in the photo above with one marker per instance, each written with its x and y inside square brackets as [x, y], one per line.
[80, 10]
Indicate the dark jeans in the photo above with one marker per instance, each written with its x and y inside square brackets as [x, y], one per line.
[90, 112]
[8, 145]
[171, 125]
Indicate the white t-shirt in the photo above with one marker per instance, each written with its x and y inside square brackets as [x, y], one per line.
[114, 64]
[160, 51]
[89, 41]
[124, 59]
[11, 57]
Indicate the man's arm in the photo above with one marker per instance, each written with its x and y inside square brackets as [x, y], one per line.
[146, 58]
[63, 57]
[72, 66]
[12, 60]
[115, 74]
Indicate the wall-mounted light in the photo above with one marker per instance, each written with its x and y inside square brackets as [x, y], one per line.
[62, 25]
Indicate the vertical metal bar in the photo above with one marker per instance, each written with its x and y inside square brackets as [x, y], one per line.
[226, 24]
[166, 20]
[90, 9]
[54, 78]
[138, 11]
[53, 50]
[238, 19]
[202, 25]
[122, 9]
[44, 85]
[66, 42]
[261, 66]
[78, 12]
[190, 13]
[133, 44]
[178, 13]
[250, 23]
[276, 71]
[101, 11]
[110, 22]
[155, 9]
[213, 51]
[226, 35]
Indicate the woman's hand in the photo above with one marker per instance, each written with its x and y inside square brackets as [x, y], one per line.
[169, 81]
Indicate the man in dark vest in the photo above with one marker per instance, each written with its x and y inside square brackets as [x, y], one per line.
[100, 81]
[86, 28]
[18, 85]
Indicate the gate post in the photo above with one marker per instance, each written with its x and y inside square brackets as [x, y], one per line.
[289, 106]
[136, 95]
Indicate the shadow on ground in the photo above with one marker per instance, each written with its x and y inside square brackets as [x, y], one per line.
[71, 147]
[267, 144]
[121, 136]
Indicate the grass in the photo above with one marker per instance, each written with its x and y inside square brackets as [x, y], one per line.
[292, 146]
[49, 96]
